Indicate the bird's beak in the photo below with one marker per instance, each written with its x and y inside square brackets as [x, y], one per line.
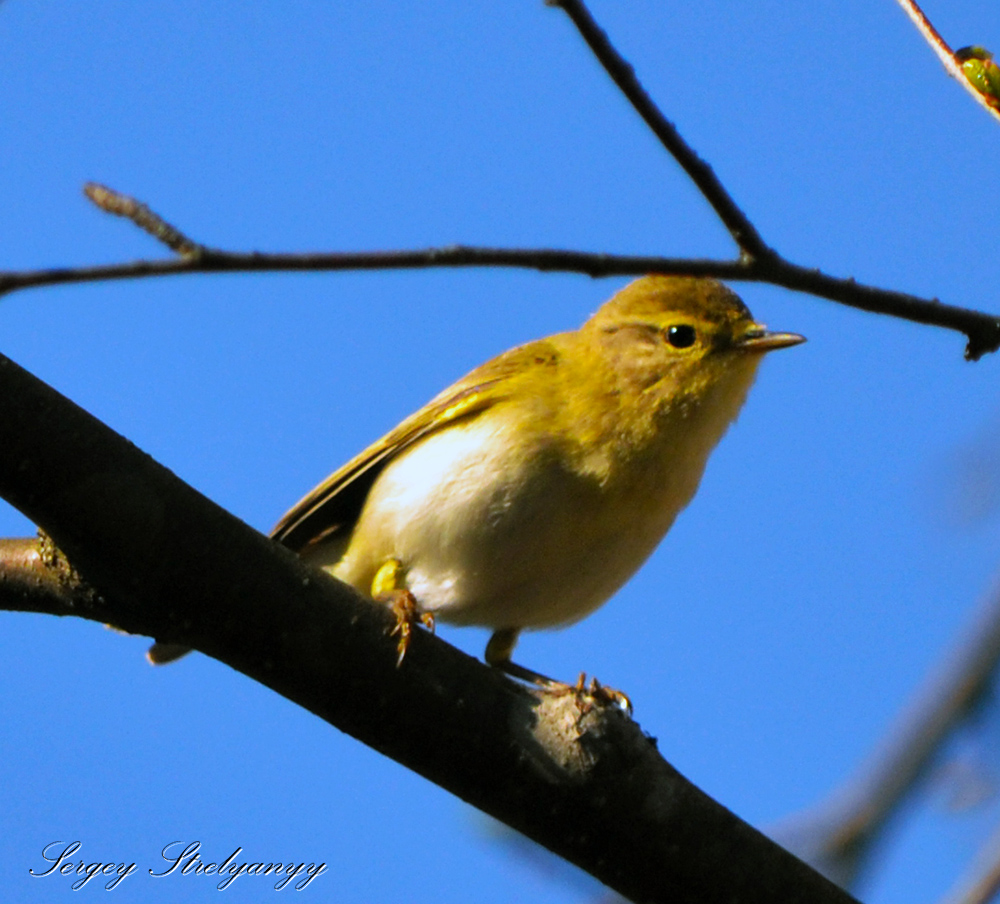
[758, 339]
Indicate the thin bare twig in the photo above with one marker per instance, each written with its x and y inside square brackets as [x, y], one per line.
[944, 53]
[757, 262]
[145, 218]
[744, 233]
[982, 330]
[214, 260]
[837, 835]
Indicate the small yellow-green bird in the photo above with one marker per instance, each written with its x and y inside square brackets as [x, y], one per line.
[527, 493]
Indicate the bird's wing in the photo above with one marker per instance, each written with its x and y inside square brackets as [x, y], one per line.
[337, 502]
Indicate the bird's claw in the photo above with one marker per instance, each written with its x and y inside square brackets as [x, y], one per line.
[407, 613]
[598, 693]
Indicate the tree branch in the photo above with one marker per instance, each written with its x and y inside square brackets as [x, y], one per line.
[757, 262]
[839, 834]
[744, 233]
[982, 330]
[147, 219]
[949, 59]
[581, 779]
[981, 884]
[35, 577]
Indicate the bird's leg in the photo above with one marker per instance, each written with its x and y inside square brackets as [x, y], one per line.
[389, 587]
[498, 652]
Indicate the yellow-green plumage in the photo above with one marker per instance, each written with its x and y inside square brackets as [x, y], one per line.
[529, 491]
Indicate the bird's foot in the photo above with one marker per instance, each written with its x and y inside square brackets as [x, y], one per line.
[587, 695]
[498, 652]
[605, 696]
[404, 607]
[389, 587]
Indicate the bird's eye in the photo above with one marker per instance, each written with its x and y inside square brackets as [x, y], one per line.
[681, 335]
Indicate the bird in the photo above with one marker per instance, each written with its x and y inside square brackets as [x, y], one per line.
[527, 493]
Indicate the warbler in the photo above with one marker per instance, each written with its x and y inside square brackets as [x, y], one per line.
[524, 495]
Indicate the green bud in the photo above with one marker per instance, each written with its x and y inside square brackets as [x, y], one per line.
[981, 72]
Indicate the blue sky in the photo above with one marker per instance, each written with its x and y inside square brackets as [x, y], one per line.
[829, 557]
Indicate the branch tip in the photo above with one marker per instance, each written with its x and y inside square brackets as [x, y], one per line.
[982, 343]
[980, 81]
[122, 205]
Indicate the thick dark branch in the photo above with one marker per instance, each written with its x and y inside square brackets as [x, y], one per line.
[584, 782]
[744, 233]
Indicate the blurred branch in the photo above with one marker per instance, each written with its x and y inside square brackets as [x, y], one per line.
[838, 835]
[982, 883]
[951, 60]
[982, 330]
[579, 778]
